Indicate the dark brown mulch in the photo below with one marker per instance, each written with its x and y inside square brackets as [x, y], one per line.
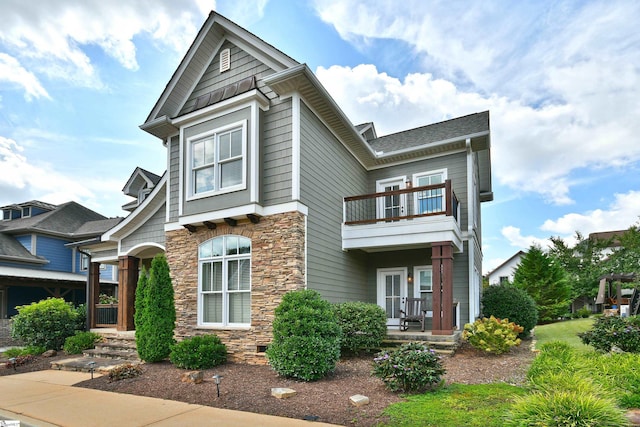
[248, 387]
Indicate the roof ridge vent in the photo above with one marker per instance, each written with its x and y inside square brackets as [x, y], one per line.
[225, 60]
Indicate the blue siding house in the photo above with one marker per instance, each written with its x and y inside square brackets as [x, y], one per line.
[38, 258]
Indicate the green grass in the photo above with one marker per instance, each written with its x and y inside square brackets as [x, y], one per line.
[566, 331]
[456, 405]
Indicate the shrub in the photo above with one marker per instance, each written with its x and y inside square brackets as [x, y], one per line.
[492, 335]
[81, 341]
[157, 319]
[565, 408]
[306, 337]
[45, 324]
[583, 313]
[364, 326]
[32, 350]
[411, 367]
[607, 332]
[508, 302]
[122, 372]
[199, 352]
[81, 319]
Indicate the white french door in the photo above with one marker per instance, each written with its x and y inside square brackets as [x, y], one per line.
[392, 290]
[392, 206]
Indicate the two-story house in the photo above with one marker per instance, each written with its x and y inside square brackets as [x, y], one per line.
[38, 258]
[270, 188]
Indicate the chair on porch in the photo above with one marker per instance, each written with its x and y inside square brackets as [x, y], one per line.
[415, 310]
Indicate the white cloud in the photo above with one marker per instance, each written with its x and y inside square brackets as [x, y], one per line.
[11, 71]
[515, 238]
[622, 214]
[53, 41]
[561, 80]
[42, 181]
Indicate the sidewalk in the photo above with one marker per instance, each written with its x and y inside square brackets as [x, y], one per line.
[46, 398]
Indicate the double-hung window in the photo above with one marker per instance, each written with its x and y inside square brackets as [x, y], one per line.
[430, 201]
[218, 160]
[224, 281]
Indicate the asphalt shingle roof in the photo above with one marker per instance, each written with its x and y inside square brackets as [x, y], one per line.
[442, 131]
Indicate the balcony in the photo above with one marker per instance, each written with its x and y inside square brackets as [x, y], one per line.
[402, 219]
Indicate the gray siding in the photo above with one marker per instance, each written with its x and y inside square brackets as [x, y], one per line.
[243, 65]
[327, 174]
[461, 282]
[455, 164]
[174, 177]
[151, 231]
[276, 154]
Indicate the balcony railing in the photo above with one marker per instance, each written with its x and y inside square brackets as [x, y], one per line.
[106, 315]
[397, 205]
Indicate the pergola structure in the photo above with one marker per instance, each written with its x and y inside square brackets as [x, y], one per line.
[607, 296]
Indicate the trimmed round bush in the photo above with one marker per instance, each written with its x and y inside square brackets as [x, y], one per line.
[508, 302]
[81, 341]
[364, 326]
[413, 367]
[306, 337]
[199, 352]
[492, 335]
[46, 323]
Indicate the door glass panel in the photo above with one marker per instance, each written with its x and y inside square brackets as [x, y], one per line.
[392, 203]
[392, 295]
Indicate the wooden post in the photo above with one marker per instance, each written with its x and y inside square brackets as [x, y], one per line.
[442, 264]
[94, 292]
[127, 282]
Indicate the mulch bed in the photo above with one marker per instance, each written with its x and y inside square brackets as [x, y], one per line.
[248, 387]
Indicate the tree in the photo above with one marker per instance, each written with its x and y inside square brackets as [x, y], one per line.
[626, 259]
[158, 317]
[583, 263]
[545, 280]
[138, 316]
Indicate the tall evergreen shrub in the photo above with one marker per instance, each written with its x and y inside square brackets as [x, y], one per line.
[138, 315]
[158, 315]
[306, 337]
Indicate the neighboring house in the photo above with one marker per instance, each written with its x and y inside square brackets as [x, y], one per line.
[505, 271]
[37, 259]
[611, 237]
[270, 188]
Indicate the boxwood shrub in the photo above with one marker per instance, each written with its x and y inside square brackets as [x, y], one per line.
[508, 302]
[306, 337]
[199, 352]
[364, 326]
[81, 341]
[46, 323]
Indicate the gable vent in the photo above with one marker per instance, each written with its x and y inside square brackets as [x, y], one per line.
[225, 60]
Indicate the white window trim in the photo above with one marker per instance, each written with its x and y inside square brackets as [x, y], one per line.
[416, 176]
[416, 282]
[191, 195]
[380, 184]
[225, 324]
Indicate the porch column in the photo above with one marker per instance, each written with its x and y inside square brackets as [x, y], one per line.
[127, 281]
[442, 262]
[93, 293]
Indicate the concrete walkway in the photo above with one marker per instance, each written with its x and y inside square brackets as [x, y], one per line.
[46, 398]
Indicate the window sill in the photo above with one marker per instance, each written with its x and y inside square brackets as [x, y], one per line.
[225, 327]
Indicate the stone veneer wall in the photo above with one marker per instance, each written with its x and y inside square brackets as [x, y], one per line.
[277, 266]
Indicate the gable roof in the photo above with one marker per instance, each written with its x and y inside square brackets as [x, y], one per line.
[211, 36]
[150, 178]
[12, 250]
[65, 220]
[514, 256]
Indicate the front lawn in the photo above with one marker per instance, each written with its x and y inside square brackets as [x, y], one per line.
[481, 405]
[566, 331]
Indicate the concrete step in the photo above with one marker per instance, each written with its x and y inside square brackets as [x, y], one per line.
[82, 364]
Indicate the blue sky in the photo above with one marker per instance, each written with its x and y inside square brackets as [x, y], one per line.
[561, 79]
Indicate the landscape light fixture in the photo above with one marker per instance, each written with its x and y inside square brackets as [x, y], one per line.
[217, 379]
[13, 362]
[92, 367]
